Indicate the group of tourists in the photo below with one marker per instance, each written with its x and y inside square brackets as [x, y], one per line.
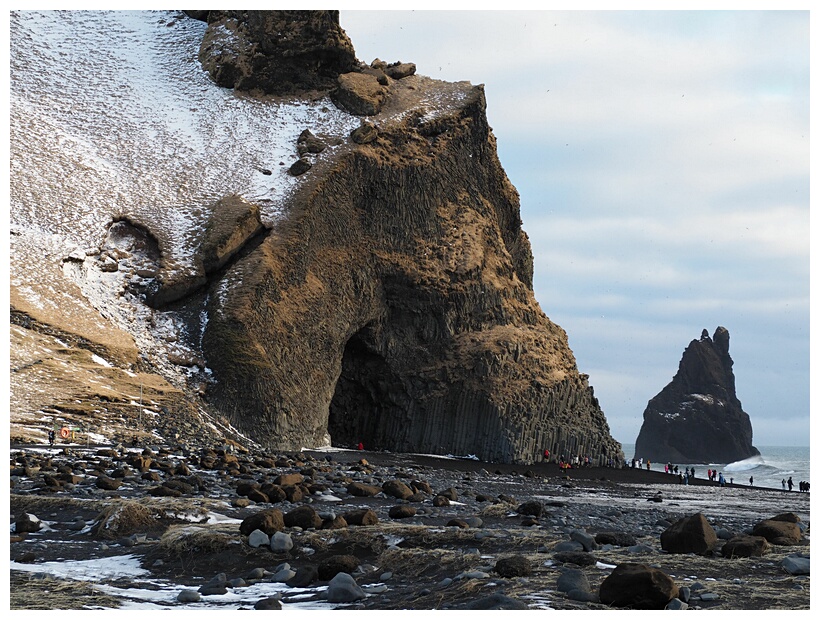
[570, 462]
[802, 486]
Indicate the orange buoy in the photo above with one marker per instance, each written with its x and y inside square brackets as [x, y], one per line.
[64, 432]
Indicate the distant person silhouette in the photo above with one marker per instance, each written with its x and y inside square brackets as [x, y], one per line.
[751, 481]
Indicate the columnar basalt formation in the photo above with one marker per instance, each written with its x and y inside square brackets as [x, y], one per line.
[697, 417]
[394, 306]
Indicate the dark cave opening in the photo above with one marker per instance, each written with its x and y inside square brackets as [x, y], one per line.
[361, 399]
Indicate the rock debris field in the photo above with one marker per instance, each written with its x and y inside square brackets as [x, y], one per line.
[222, 529]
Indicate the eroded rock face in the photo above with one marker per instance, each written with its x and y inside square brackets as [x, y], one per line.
[383, 295]
[394, 307]
[275, 52]
[697, 417]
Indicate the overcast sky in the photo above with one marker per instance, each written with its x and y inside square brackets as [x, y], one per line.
[662, 159]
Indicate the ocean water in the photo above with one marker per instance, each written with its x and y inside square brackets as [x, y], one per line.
[774, 464]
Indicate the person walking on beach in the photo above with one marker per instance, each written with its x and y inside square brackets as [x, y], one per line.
[546, 455]
[783, 484]
[751, 481]
[790, 483]
[51, 437]
[721, 479]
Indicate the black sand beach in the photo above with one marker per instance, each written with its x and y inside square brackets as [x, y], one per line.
[436, 555]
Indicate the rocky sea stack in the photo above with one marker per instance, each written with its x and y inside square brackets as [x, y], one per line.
[697, 417]
[369, 281]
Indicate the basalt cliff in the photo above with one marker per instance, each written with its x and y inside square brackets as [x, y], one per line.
[697, 417]
[226, 226]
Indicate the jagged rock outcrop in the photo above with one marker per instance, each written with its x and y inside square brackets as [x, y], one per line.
[697, 417]
[275, 52]
[395, 305]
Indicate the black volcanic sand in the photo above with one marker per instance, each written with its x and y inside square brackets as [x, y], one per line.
[421, 562]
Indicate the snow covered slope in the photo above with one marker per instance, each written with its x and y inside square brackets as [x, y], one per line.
[111, 118]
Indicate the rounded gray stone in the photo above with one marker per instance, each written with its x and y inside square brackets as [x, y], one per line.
[281, 542]
[189, 596]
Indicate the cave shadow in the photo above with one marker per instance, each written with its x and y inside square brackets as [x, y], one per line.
[363, 401]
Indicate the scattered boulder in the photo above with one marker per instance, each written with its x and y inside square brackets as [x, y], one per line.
[692, 534]
[304, 516]
[343, 589]
[796, 565]
[336, 564]
[305, 576]
[300, 166]
[450, 493]
[273, 492]
[513, 566]
[745, 547]
[586, 540]
[108, 484]
[189, 596]
[397, 489]
[637, 586]
[233, 223]
[270, 602]
[778, 532]
[572, 579]
[308, 143]
[289, 480]
[364, 133]
[402, 511]
[496, 602]
[258, 538]
[281, 542]
[27, 523]
[618, 539]
[268, 521]
[399, 70]
[362, 516]
[786, 516]
[359, 94]
[580, 558]
[533, 509]
[360, 489]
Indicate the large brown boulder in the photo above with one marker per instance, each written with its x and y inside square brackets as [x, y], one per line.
[360, 489]
[304, 517]
[745, 547]
[276, 52]
[778, 532]
[269, 521]
[361, 516]
[397, 489]
[359, 93]
[692, 534]
[637, 586]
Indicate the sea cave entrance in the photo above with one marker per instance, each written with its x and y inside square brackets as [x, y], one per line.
[363, 400]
